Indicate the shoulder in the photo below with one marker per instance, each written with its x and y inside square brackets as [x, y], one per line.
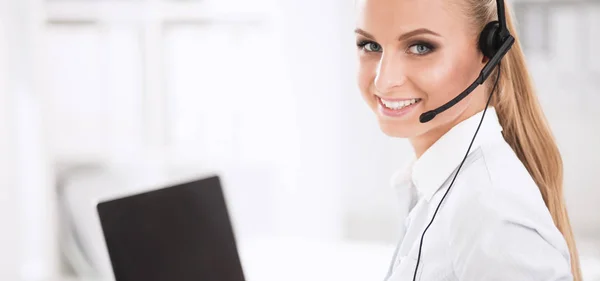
[496, 185]
[497, 216]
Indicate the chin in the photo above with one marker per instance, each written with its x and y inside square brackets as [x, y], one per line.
[396, 130]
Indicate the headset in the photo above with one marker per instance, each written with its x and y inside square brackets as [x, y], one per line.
[494, 42]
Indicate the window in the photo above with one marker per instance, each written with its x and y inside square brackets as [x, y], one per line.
[128, 75]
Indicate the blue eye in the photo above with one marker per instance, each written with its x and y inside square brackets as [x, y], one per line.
[420, 49]
[369, 46]
[373, 47]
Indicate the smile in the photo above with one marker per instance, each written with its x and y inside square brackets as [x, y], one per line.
[397, 108]
[398, 104]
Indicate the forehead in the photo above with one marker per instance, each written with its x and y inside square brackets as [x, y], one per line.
[385, 17]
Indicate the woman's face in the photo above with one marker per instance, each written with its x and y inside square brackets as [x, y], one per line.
[414, 56]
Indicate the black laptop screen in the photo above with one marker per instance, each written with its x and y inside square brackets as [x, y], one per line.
[179, 233]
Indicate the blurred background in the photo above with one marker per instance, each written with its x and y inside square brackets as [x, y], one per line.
[103, 97]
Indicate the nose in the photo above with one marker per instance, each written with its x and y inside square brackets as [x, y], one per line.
[390, 73]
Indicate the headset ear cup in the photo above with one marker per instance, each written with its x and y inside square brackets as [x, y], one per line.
[489, 40]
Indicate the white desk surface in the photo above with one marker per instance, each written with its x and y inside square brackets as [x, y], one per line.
[300, 260]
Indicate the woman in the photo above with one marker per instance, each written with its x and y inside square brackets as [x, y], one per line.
[504, 217]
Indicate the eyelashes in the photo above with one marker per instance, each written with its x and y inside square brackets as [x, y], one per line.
[421, 48]
[368, 46]
[417, 47]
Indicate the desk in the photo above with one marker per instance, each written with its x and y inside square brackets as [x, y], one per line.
[300, 260]
[292, 259]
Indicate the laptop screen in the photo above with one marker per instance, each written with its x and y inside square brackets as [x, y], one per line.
[178, 233]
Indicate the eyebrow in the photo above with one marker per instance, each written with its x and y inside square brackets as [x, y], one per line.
[401, 37]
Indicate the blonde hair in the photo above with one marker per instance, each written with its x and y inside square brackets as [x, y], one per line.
[525, 127]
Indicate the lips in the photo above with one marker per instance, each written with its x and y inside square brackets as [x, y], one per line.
[397, 108]
[398, 104]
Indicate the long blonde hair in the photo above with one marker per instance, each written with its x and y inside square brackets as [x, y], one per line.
[525, 127]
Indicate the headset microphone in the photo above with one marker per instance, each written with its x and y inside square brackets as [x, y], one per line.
[495, 33]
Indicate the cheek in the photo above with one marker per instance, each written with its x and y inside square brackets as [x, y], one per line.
[443, 80]
[366, 76]
[436, 80]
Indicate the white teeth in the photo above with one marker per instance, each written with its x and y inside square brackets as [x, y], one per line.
[399, 104]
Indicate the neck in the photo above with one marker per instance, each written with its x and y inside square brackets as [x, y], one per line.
[423, 142]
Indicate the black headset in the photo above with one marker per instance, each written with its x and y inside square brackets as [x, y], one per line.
[494, 42]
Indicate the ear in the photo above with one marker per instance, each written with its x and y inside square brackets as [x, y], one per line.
[484, 59]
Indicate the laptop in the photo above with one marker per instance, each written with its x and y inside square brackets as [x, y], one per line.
[177, 233]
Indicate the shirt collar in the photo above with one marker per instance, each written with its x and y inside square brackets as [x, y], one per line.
[436, 165]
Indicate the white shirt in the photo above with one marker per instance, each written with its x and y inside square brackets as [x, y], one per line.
[492, 225]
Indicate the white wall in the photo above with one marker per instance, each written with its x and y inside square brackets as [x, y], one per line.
[313, 59]
[7, 204]
[28, 199]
